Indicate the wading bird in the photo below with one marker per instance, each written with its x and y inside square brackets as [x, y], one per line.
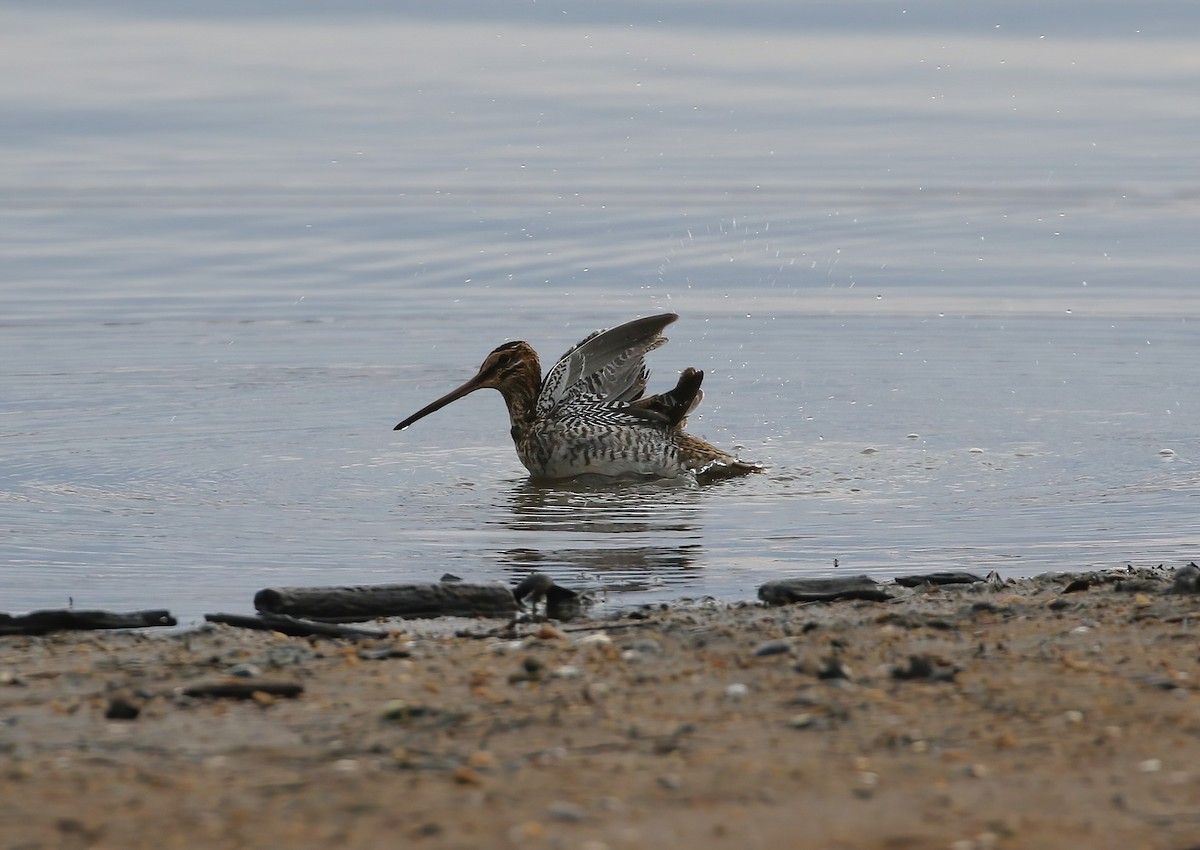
[588, 416]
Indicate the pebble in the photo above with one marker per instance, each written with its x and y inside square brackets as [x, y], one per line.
[833, 668]
[465, 775]
[595, 639]
[501, 647]
[595, 691]
[244, 671]
[523, 832]
[803, 720]
[671, 781]
[646, 646]
[565, 810]
[736, 691]
[865, 783]
[287, 654]
[1073, 716]
[1150, 766]
[772, 647]
[482, 759]
[122, 708]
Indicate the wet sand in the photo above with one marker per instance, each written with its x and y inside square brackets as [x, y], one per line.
[961, 717]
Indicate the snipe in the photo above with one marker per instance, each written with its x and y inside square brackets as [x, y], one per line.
[588, 416]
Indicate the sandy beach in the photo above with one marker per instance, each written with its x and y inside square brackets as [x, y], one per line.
[1039, 713]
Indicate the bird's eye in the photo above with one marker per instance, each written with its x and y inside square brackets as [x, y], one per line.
[503, 360]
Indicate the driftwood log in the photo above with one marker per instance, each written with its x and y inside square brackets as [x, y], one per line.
[948, 577]
[243, 689]
[789, 590]
[67, 619]
[294, 626]
[411, 601]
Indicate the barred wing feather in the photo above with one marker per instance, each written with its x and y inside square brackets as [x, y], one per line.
[606, 366]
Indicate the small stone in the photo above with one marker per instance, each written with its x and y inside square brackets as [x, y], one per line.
[595, 691]
[926, 667]
[122, 708]
[521, 833]
[833, 668]
[244, 671]
[465, 775]
[396, 709]
[772, 647]
[1141, 600]
[646, 646]
[865, 783]
[566, 671]
[566, 811]
[736, 691]
[803, 720]
[482, 760]
[975, 771]
[502, 647]
[346, 766]
[671, 781]
[1150, 766]
[1073, 716]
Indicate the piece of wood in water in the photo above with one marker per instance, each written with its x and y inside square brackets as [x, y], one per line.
[411, 601]
[68, 619]
[294, 626]
[947, 577]
[789, 590]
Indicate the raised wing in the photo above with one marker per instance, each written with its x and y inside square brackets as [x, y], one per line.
[607, 366]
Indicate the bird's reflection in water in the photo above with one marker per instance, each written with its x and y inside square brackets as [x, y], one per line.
[620, 538]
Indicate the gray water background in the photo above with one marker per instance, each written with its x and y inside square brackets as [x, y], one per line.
[938, 262]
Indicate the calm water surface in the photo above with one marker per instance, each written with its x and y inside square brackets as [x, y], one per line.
[939, 270]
